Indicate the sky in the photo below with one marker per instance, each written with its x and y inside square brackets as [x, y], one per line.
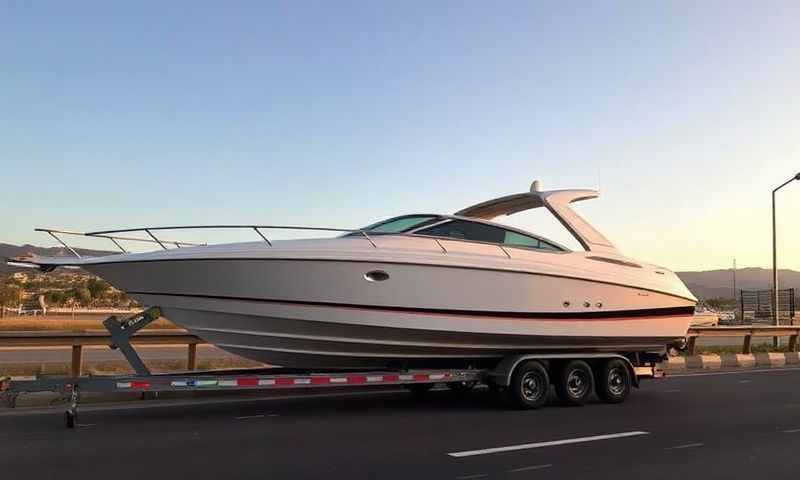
[684, 114]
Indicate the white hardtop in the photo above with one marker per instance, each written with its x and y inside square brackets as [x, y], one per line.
[557, 201]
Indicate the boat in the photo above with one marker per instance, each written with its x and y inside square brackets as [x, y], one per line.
[416, 289]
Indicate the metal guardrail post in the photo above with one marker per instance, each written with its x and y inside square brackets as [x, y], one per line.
[690, 345]
[191, 363]
[76, 368]
[746, 349]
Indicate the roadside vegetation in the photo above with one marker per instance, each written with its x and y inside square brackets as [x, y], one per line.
[120, 367]
[61, 289]
[67, 322]
[731, 349]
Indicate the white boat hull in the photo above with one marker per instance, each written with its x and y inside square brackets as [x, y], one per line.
[324, 313]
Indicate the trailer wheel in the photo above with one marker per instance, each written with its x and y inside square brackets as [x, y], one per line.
[529, 386]
[614, 381]
[575, 382]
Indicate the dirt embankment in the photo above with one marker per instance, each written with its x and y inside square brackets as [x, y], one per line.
[67, 322]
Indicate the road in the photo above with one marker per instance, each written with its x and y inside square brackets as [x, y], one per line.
[709, 425]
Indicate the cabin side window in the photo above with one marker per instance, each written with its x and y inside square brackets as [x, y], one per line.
[462, 230]
[479, 232]
[514, 239]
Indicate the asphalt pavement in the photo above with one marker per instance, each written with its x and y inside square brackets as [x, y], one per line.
[708, 425]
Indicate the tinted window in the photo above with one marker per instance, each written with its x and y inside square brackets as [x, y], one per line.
[549, 246]
[466, 231]
[485, 233]
[514, 238]
[520, 240]
[398, 225]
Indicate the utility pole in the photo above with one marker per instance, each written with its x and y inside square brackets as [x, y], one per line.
[735, 303]
[775, 257]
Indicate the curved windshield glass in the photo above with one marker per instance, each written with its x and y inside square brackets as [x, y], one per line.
[399, 224]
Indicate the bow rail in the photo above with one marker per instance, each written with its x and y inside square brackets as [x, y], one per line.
[163, 243]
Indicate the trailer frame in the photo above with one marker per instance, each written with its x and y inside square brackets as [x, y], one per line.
[148, 383]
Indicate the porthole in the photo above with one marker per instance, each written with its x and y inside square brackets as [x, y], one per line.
[376, 276]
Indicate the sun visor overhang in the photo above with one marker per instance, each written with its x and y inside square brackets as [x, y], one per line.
[557, 201]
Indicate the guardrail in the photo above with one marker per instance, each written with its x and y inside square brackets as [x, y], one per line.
[78, 340]
[746, 332]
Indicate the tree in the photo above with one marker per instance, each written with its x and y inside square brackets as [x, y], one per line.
[96, 287]
[10, 294]
[56, 297]
[83, 296]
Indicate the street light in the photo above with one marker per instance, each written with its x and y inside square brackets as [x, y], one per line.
[775, 254]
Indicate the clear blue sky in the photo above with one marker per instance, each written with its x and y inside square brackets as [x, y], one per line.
[117, 114]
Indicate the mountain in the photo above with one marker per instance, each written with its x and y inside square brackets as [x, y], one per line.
[10, 251]
[719, 283]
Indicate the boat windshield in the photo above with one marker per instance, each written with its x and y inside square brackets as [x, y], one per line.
[400, 224]
[481, 232]
[458, 229]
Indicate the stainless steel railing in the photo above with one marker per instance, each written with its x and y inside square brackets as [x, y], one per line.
[113, 235]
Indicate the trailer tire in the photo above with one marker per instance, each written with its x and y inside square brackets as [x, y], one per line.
[575, 382]
[530, 385]
[614, 381]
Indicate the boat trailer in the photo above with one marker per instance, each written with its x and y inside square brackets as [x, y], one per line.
[150, 384]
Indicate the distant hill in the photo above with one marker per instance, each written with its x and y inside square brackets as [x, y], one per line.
[719, 283]
[10, 251]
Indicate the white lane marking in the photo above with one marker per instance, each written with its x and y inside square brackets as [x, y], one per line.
[688, 445]
[532, 467]
[794, 430]
[84, 425]
[527, 446]
[744, 371]
[273, 415]
[472, 477]
[247, 417]
[674, 390]
[745, 381]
